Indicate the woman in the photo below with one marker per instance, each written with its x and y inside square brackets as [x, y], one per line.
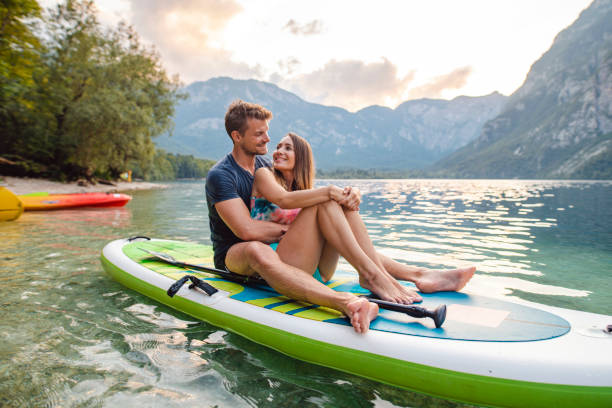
[280, 193]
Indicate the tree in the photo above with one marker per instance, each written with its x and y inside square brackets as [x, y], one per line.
[19, 59]
[100, 98]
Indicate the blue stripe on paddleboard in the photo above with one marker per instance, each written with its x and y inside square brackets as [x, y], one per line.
[277, 304]
[302, 309]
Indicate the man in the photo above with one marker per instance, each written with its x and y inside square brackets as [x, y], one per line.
[238, 240]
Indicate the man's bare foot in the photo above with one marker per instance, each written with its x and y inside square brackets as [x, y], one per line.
[432, 280]
[388, 288]
[361, 313]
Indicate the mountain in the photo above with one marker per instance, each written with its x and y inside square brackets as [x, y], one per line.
[558, 124]
[414, 135]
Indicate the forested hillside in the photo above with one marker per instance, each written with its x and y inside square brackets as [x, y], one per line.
[77, 100]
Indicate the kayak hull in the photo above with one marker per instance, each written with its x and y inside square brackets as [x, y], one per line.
[429, 365]
[64, 201]
[11, 207]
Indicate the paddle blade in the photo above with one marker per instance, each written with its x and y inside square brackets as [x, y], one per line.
[439, 316]
[160, 255]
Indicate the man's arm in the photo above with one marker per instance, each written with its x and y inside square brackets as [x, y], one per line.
[237, 217]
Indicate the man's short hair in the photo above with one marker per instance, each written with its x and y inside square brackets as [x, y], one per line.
[238, 113]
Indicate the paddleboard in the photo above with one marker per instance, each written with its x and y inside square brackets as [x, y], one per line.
[10, 206]
[42, 201]
[489, 351]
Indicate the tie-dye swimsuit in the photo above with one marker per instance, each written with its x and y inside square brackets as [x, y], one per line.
[264, 210]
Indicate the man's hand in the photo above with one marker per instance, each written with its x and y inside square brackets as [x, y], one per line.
[284, 229]
[238, 218]
[352, 198]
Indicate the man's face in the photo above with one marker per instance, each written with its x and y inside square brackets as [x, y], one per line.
[255, 139]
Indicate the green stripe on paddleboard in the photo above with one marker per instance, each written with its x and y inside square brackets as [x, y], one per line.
[320, 313]
[438, 382]
[290, 306]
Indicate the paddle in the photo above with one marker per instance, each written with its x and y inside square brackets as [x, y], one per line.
[234, 277]
[438, 315]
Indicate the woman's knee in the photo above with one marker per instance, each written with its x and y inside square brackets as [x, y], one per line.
[330, 205]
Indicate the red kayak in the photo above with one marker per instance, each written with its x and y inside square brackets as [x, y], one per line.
[37, 201]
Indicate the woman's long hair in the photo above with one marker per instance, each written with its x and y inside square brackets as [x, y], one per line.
[304, 168]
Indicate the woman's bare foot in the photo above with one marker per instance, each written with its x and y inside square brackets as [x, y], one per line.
[388, 288]
[361, 313]
[432, 280]
[413, 295]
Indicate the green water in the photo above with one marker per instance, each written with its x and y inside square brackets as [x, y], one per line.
[72, 337]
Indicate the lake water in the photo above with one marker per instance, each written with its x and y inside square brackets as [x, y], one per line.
[72, 337]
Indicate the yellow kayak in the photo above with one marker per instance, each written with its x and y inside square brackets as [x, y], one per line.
[10, 206]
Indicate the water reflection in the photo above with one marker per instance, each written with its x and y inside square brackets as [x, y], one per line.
[74, 337]
[505, 227]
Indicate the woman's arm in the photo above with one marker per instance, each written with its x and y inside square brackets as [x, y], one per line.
[267, 186]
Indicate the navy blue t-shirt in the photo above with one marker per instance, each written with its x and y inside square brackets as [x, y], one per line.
[227, 180]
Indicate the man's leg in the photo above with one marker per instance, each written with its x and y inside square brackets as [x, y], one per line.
[255, 257]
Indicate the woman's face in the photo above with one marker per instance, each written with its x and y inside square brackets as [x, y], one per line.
[284, 155]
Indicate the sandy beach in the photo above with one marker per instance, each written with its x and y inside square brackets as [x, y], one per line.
[19, 185]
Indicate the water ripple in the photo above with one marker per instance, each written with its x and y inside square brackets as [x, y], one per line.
[71, 336]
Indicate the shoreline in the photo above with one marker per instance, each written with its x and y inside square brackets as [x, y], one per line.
[26, 185]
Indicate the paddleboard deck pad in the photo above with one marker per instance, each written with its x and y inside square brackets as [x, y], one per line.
[489, 351]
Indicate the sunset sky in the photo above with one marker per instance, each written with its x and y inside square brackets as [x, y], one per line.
[351, 53]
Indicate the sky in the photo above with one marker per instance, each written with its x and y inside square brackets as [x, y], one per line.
[351, 53]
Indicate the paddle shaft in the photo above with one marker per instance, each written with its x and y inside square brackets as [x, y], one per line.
[411, 310]
[234, 277]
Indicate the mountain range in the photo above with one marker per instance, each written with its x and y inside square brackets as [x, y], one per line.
[413, 135]
[558, 124]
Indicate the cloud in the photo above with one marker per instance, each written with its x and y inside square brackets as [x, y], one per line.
[352, 84]
[434, 88]
[181, 30]
[314, 27]
[289, 65]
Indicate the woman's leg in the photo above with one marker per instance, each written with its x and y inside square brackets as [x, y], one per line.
[426, 280]
[328, 262]
[302, 246]
[365, 242]
[429, 280]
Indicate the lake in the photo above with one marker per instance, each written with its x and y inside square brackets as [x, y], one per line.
[73, 337]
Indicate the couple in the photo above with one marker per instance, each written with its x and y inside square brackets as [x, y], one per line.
[252, 204]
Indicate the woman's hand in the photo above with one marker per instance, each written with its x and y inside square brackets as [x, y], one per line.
[335, 193]
[348, 197]
[351, 198]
